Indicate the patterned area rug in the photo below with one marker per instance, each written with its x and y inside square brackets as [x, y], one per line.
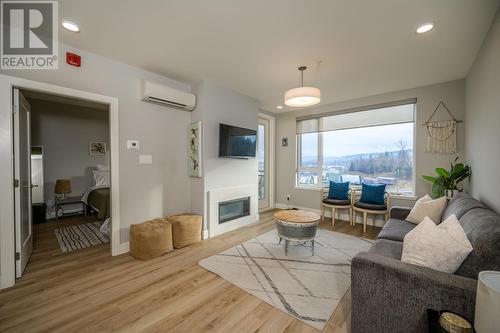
[306, 287]
[80, 236]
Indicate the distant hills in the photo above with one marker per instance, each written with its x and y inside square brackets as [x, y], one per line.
[347, 159]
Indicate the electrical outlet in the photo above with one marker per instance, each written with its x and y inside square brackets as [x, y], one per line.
[288, 197]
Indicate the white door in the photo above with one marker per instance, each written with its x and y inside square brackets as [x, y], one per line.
[263, 162]
[22, 183]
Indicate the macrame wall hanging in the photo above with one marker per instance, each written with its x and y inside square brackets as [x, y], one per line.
[441, 136]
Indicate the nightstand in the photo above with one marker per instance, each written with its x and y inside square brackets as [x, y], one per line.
[60, 202]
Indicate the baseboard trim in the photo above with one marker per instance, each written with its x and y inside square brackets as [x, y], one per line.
[124, 248]
[205, 234]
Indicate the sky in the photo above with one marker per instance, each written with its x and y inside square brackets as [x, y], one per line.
[260, 143]
[377, 139]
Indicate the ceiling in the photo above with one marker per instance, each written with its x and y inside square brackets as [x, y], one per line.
[353, 48]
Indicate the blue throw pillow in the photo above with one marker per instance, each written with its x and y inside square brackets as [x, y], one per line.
[373, 194]
[338, 191]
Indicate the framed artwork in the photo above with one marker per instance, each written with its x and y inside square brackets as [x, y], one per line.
[195, 142]
[97, 148]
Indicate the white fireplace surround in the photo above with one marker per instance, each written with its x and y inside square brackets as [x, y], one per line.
[216, 196]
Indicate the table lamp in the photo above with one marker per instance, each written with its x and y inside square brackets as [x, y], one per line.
[63, 186]
[487, 319]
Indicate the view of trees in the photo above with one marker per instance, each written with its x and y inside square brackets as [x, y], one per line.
[385, 163]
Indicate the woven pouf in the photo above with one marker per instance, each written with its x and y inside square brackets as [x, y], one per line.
[186, 229]
[150, 239]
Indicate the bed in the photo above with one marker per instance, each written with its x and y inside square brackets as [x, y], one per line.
[97, 198]
[97, 195]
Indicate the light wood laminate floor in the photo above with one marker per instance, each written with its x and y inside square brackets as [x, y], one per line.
[91, 291]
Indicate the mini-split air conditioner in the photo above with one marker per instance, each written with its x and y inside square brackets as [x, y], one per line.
[160, 94]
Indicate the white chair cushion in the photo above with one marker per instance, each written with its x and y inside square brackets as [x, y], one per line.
[441, 247]
[426, 207]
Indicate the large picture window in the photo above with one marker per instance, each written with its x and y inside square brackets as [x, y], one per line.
[373, 146]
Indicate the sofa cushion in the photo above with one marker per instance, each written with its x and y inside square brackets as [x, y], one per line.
[337, 202]
[441, 247]
[370, 206]
[387, 248]
[460, 204]
[395, 230]
[427, 207]
[482, 227]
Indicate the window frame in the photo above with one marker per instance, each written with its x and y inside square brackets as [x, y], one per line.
[320, 142]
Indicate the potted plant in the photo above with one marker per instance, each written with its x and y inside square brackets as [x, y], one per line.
[446, 182]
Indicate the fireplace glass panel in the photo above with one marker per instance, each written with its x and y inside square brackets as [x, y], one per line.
[234, 209]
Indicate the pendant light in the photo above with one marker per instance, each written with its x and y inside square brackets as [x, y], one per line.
[302, 96]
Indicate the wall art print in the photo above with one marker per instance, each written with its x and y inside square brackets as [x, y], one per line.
[195, 146]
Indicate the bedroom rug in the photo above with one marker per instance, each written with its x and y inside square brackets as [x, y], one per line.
[306, 287]
[80, 236]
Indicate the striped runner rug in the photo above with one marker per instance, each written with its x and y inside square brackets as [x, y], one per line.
[80, 236]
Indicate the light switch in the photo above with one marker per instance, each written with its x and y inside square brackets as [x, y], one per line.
[145, 159]
[132, 144]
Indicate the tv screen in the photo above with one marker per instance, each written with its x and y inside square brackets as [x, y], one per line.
[236, 142]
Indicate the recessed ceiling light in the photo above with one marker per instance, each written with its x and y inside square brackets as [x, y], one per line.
[425, 27]
[71, 26]
[279, 107]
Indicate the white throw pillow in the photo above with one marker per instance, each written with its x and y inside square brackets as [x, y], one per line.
[426, 207]
[101, 178]
[441, 247]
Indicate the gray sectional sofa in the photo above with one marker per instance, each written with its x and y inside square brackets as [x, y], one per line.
[391, 296]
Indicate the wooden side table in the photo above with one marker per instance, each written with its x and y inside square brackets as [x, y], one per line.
[60, 202]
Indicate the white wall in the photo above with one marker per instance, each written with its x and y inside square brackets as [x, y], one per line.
[218, 104]
[452, 93]
[146, 191]
[482, 119]
[65, 131]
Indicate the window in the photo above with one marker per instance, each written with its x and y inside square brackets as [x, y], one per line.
[373, 146]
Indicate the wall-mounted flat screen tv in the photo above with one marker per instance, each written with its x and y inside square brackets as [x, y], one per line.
[236, 142]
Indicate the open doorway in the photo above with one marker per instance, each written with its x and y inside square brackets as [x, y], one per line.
[62, 171]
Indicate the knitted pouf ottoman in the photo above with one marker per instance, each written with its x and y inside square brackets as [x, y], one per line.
[186, 229]
[150, 239]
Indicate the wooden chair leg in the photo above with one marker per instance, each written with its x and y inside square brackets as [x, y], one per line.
[350, 217]
[333, 216]
[338, 215]
[365, 217]
[386, 217]
[322, 213]
[373, 219]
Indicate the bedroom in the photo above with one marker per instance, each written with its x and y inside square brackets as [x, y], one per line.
[70, 171]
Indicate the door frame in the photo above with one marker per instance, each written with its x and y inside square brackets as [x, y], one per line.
[7, 242]
[271, 139]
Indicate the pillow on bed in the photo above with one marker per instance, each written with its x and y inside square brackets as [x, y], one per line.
[101, 178]
[102, 167]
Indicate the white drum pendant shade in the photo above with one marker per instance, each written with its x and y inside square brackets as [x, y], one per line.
[303, 96]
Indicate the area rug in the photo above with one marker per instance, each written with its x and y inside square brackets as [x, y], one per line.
[80, 236]
[306, 287]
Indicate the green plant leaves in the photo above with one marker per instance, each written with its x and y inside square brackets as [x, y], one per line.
[448, 180]
[430, 178]
[442, 172]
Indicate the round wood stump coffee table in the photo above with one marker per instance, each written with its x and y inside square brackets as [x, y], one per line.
[296, 225]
